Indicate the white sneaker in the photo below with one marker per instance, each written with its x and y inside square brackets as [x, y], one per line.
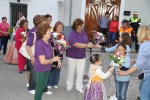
[48, 92]
[80, 90]
[32, 91]
[49, 87]
[27, 85]
[56, 87]
[69, 89]
[113, 97]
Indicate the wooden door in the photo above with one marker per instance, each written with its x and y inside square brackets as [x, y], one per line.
[95, 9]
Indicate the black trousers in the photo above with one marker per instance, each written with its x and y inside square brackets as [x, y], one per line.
[32, 81]
[4, 40]
[135, 39]
[104, 31]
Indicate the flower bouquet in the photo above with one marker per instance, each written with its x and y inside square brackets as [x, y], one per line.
[58, 36]
[51, 29]
[117, 59]
[61, 45]
[10, 29]
[98, 38]
[24, 35]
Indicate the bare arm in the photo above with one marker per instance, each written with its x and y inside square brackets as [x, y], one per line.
[3, 32]
[29, 51]
[82, 45]
[131, 70]
[124, 73]
[44, 61]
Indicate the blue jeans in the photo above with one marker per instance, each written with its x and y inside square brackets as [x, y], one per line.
[112, 36]
[121, 89]
[145, 89]
[54, 77]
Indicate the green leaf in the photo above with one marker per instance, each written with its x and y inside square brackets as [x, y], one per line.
[111, 57]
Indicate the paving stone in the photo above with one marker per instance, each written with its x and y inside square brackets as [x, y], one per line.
[13, 84]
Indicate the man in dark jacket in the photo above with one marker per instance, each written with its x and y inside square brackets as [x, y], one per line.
[135, 23]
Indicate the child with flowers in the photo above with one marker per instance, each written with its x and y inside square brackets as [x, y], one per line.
[125, 39]
[95, 89]
[122, 82]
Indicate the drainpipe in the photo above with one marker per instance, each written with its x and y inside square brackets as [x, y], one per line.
[70, 13]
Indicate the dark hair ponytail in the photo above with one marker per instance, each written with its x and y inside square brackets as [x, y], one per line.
[94, 58]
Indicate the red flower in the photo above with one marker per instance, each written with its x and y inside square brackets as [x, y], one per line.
[59, 36]
[67, 44]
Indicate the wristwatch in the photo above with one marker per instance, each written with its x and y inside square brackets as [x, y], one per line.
[51, 61]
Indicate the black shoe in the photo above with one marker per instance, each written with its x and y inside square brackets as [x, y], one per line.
[20, 72]
[4, 53]
[138, 98]
[24, 70]
[136, 50]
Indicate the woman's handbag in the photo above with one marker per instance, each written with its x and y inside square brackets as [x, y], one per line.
[23, 50]
[141, 76]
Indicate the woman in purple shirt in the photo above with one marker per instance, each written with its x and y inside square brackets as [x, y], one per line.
[43, 60]
[142, 62]
[76, 54]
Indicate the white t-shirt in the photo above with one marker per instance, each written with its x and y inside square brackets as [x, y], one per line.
[18, 22]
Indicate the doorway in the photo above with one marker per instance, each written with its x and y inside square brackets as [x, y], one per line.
[95, 9]
[14, 9]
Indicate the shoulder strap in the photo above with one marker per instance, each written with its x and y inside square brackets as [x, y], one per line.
[34, 38]
[5, 27]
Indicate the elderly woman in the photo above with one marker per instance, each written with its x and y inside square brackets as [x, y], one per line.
[55, 72]
[4, 34]
[43, 60]
[30, 62]
[142, 62]
[76, 54]
[19, 40]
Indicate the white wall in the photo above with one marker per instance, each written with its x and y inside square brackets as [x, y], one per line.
[76, 9]
[141, 6]
[34, 7]
[67, 12]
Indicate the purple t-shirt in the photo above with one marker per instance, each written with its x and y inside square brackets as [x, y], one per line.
[41, 48]
[31, 37]
[75, 37]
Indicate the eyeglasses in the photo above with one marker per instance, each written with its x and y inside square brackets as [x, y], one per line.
[49, 32]
[82, 26]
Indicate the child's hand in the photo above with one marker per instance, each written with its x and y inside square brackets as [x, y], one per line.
[119, 67]
[98, 46]
[111, 69]
[132, 61]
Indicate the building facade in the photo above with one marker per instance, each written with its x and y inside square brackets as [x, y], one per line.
[68, 10]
